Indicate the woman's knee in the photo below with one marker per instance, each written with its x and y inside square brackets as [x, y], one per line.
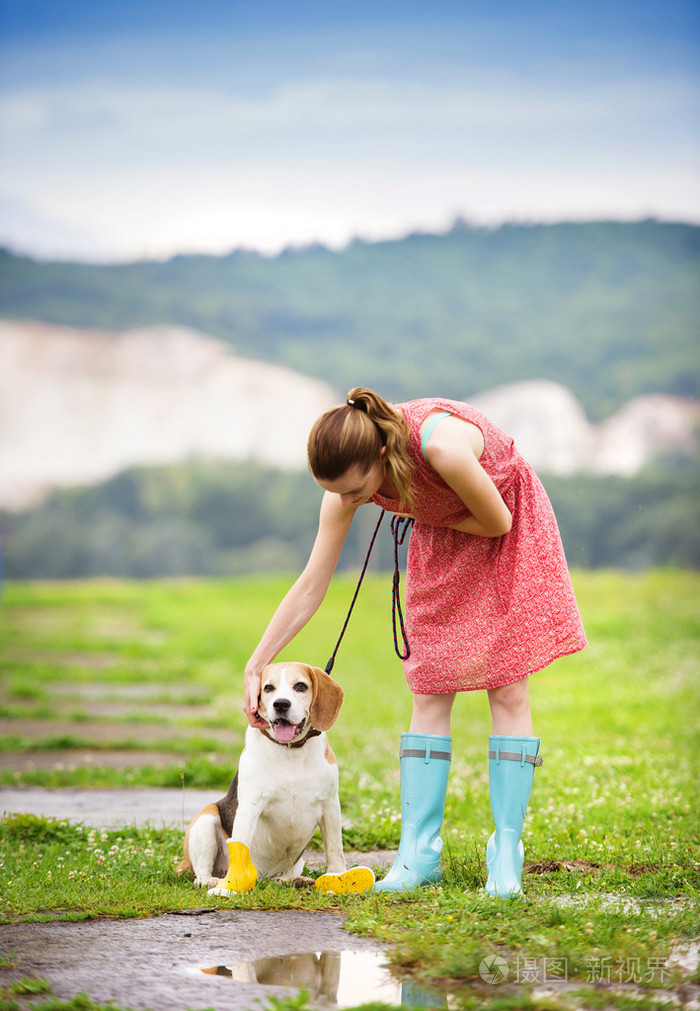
[511, 698]
[431, 713]
[510, 709]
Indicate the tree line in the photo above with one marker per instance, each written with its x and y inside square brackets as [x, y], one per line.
[609, 309]
[219, 520]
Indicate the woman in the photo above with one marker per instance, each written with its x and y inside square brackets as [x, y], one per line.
[489, 600]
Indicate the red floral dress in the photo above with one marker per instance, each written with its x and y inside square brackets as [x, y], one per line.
[482, 611]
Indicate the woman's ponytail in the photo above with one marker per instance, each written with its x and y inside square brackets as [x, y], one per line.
[394, 435]
[355, 433]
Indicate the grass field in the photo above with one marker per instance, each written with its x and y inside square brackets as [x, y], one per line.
[151, 673]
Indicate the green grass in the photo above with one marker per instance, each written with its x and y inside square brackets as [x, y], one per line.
[612, 833]
[31, 987]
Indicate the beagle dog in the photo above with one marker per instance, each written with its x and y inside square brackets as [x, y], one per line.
[285, 788]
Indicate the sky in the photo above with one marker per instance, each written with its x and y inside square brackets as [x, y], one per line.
[145, 128]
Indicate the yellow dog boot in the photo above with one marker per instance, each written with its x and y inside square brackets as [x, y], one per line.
[241, 876]
[354, 881]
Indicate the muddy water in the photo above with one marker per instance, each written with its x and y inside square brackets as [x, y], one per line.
[335, 979]
[224, 959]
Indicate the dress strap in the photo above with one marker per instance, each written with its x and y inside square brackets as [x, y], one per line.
[428, 430]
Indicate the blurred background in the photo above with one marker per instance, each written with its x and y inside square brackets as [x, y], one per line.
[217, 218]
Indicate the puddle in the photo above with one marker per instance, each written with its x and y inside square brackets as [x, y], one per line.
[333, 979]
[227, 959]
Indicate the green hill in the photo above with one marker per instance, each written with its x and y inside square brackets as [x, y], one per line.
[611, 310]
[219, 519]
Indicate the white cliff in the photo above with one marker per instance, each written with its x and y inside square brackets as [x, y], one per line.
[551, 430]
[78, 406]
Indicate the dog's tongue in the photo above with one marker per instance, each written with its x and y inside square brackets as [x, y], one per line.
[284, 732]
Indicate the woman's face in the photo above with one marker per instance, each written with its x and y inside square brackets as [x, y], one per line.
[356, 487]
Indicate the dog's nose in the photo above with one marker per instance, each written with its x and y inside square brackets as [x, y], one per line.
[281, 705]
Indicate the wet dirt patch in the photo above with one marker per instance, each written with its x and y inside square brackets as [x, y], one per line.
[156, 963]
[120, 733]
[79, 758]
[585, 867]
[553, 866]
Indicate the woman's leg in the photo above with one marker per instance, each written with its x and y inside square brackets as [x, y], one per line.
[431, 714]
[510, 709]
[425, 754]
[513, 755]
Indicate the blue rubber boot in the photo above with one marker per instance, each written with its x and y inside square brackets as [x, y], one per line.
[512, 762]
[425, 766]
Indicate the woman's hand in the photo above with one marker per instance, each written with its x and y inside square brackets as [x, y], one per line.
[251, 695]
[301, 601]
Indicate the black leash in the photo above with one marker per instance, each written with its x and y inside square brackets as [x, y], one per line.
[397, 523]
[400, 525]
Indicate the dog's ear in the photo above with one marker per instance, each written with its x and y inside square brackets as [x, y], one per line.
[328, 698]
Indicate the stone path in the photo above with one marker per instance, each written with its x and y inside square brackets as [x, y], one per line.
[110, 808]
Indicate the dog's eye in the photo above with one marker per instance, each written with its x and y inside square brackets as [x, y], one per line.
[268, 688]
[301, 686]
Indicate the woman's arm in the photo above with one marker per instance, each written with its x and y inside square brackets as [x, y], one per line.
[453, 450]
[302, 600]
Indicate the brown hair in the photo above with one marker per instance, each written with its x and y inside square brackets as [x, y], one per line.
[355, 433]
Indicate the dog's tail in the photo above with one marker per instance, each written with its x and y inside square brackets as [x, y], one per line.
[184, 866]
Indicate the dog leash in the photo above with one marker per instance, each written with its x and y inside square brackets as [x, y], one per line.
[400, 525]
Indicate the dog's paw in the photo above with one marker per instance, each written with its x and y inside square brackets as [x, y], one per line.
[357, 879]
[302, 882]
[207, 882]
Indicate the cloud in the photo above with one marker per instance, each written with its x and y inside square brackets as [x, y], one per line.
[155, 170]
[325, 107]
